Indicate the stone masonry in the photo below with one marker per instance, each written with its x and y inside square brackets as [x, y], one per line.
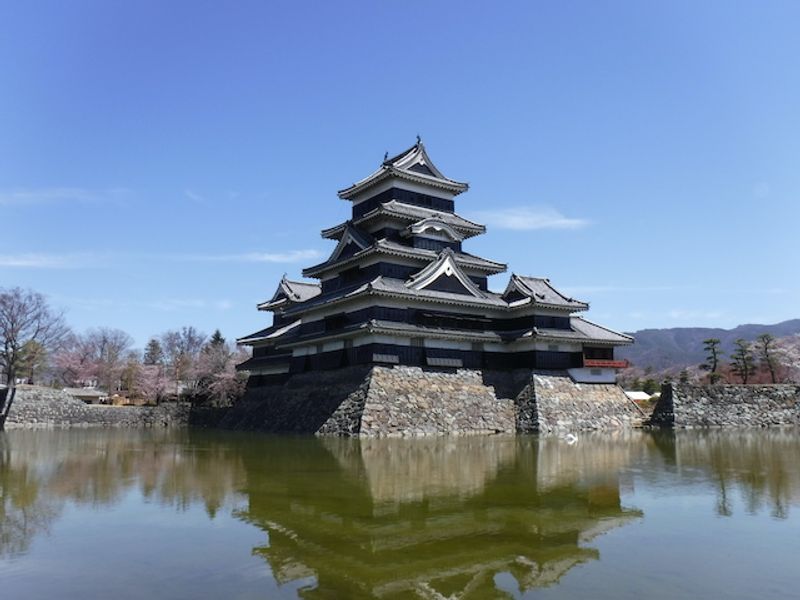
[38, 407]
[687, 406]
[553, 403]
[411, 401]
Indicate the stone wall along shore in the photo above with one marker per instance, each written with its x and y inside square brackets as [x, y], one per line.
[410, 401]
[38, 407]
[687, 406]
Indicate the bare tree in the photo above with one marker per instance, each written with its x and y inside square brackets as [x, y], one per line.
[25, 318]
[181, 350]
[109, 349]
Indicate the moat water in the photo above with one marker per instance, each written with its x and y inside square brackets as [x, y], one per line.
[206, 515]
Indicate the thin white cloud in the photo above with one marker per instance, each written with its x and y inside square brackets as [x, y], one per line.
[761, 190]
[528, 218]
[290, 256]
[52, 195]
[47, 261]
[160, 304]
[35, 260]
[195, 197]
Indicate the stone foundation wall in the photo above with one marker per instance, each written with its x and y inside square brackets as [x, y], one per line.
[36, 407]
[686, 406]
[553, 403]
[411, 401]
[305, 404]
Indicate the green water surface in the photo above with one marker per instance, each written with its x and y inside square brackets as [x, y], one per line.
[200, 514]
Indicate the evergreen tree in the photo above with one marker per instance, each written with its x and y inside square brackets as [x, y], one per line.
[650, 386]
[714, 353]
[33, 360]
[153, 353]
[742, 363]
[766, 356]
[216, 339]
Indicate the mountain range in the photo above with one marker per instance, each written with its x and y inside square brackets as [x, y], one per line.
[683, 346]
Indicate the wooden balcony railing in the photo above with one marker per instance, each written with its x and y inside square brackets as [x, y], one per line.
[605, 363]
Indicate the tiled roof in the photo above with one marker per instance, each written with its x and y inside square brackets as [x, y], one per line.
[583, 331]
[398, 287]
[464, 259]
[302, 291]
[270, 333]
[598, 332]
[541, 291]
[394, 249]
[412, 165]
[421, 331]
[291, 292]
[410, 214]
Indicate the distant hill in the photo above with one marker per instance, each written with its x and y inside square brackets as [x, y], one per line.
[683, 346]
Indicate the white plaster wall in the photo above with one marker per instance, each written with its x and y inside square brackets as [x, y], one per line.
[593, 375]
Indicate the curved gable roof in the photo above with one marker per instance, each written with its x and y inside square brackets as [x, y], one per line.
[290, 292]
[413, 165]
[541, 291]
[444, 266]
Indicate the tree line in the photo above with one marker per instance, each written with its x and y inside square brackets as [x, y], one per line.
[37, 346]
[765, 360]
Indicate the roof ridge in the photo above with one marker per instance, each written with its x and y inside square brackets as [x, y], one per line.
[549, 284]
[603, 327]
[390, 160]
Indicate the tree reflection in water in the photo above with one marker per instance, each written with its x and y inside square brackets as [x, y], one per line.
[445, 517]
[40, 471]
[758, 465]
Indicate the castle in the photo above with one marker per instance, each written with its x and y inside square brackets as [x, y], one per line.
[400, 290]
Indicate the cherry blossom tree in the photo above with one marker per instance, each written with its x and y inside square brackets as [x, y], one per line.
[219, 383]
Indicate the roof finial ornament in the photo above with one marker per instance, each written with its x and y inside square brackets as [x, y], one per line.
[385, 156]
[419, 139]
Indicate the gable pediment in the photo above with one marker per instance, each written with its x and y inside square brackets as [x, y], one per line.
[444, 275]
[351, 242]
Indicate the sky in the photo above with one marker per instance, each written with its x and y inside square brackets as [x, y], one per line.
[163, 163]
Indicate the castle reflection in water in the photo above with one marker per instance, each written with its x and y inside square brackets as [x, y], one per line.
[391, 518]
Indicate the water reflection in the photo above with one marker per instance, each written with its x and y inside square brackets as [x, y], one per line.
[759, 466]
[444, 517]
[390, 518]
[41, 471]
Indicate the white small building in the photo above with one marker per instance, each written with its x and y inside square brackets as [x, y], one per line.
[638, 396]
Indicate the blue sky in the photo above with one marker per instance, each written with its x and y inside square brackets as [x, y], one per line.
[163, 163]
